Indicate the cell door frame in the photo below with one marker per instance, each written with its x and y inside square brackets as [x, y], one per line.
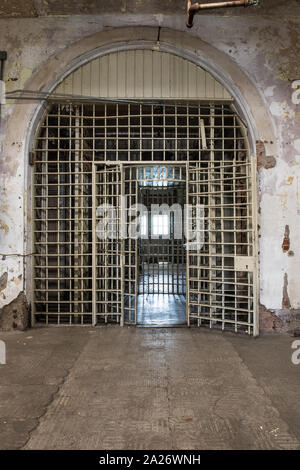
[177, 164]
[122, 166]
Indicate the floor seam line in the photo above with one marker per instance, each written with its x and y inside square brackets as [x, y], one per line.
[53, 396]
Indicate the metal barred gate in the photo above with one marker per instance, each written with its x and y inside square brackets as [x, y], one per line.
[222, 267]
[108, 249]
[115, 270]
[90, 155]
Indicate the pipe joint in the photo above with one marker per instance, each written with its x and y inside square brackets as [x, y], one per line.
[192, 9]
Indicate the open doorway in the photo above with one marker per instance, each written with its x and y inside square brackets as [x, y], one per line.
[161, 248]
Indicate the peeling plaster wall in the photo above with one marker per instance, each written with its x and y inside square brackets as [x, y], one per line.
[266, 49]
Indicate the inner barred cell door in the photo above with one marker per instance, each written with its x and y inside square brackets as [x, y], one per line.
[221, 261]
[114, 244]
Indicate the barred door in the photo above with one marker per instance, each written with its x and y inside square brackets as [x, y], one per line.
[115, 244]
[222, 289]
[108, 249]
[130, 243]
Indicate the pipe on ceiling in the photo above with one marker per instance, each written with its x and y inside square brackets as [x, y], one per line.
[192, 9]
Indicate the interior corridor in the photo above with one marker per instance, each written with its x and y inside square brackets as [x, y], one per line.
[161, 248]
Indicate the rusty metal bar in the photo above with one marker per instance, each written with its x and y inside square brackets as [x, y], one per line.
[192, 9]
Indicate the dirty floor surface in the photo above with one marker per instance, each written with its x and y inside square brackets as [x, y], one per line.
[147, 388]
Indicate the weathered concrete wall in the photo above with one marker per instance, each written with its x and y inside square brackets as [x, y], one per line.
[258, 51]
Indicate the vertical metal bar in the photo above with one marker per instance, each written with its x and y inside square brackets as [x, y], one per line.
[212, 210]
[76, 260]
[122, 228]
[235, 221]
[45, 204]
[33, 281]
[220, 270]
[187, 222]
[255, 246]
[136, 254]
[94, 235]
[254, 225]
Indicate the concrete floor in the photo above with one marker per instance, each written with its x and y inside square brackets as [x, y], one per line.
[147, 388]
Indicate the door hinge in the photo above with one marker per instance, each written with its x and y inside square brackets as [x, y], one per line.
[244, 263]
[31, 158]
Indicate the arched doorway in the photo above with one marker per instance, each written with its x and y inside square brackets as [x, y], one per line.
[124, 125]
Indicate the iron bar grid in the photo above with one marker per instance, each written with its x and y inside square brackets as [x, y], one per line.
[76, 277]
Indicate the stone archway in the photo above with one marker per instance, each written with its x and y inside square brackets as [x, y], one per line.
[24, 120]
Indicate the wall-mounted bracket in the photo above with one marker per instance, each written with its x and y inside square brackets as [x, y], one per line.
[3, 57]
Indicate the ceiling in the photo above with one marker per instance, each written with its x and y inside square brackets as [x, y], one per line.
[48, 8]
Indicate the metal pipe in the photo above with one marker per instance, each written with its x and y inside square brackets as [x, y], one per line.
[3, 58]
[192, 9]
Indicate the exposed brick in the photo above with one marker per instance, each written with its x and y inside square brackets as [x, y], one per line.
[268, 321]
[290, 321]
[264, 160]
[14, 316]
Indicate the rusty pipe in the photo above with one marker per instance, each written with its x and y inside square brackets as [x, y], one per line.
[192, 9]
[3, 58]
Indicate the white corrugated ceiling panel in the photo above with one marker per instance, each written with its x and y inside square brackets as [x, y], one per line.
[142, 74]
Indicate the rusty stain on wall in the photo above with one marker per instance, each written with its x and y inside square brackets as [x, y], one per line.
[286, 304]
[283, 200]
[286, 240]
[4, 226]
[17, 280]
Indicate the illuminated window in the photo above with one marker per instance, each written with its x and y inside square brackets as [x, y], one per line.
[144, 225]
[160, 224]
